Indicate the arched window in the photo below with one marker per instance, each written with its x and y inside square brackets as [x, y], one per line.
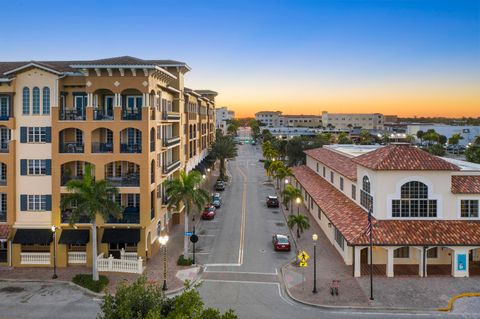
[366, 199]
[46, 101]
[36, 100]
[26, 101]
[414, 201]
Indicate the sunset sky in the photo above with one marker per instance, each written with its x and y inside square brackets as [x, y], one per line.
[395, 57]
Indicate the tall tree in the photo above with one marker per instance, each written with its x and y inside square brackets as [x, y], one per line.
[223, 148]
[365, 137]
[290, 194]
[90, 198]
[185, 189]
[299, 221]
[343, 138]
[274, 167]
[455, 139]
[282, 173]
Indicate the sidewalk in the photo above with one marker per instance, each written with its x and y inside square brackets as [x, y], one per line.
[398, 292]
[299, 281]
[176, 275]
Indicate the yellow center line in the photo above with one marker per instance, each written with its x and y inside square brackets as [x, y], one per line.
[244, 217]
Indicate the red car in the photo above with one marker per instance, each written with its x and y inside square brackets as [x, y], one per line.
[208, 212]
[281, 243]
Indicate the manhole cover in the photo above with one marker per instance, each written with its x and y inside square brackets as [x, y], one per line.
[275, 211]
[280, 224]
[12, 289]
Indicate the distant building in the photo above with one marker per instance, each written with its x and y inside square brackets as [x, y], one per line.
[302, 120]
[223, 114]
[344, 121]
[468, 132]
[269, 118]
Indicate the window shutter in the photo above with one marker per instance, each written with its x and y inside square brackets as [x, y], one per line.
[48, 167]
[23, 134]
[48, 134]
[23, 167]
[48, 202]
[23, 202]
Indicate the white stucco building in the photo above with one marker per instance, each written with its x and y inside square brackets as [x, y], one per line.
[222, 115]
[425, 209]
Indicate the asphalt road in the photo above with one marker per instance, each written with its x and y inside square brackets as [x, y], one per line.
[241, 266]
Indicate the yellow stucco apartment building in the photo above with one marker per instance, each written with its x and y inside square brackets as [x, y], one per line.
[133, 120]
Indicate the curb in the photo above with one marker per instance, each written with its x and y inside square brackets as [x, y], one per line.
[53, 281]
[193, 283]
[358, 308]
[454, 298]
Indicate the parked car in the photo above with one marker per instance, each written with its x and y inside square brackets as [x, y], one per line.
[216, 200]
[220, 186]
[272, 201]
[281, 243]
[208, 212]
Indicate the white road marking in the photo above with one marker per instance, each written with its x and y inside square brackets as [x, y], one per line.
[243, 272]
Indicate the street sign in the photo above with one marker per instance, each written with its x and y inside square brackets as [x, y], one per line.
[303, 256]
[194, 238]
[303, 264]
[188, 233]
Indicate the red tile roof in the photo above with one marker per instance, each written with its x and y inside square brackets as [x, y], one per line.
[424, 232]
[403, 157]
[342, 212]
[336, 161]
[351, 220]
[466, 184]
[4, 231]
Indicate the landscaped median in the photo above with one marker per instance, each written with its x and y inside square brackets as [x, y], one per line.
[86, 281]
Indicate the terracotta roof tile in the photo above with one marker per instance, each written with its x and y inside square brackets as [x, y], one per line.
[336, 161]
[466, 184]
[351, 220]
[342, 212]
[403, 157]
[4, 231]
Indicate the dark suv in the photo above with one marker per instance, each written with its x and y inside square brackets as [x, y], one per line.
[272, 201]
[219, 186]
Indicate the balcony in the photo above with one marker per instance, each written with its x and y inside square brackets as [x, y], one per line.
[171, 116]
[65, 179]
[72, 115]
[131, 215]
[73, 147]
[131, 115]
[3, 216]
[3, 181]
[171, 141]
[130, 180]
[5, 117]
[130, 148]
[100, 115]
[65, 218]
[153, 113]
[167, 169]
[4, 146]
[165, 199]
[98, 147]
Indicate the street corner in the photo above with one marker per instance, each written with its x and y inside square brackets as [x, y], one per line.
[291, 277]
[190, 274]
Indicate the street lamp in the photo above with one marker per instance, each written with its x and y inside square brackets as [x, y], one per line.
[54, 228]
[163, 239]
[286, 181]
[204, 176]
[208, 170]
[298, 200]
[314, 237]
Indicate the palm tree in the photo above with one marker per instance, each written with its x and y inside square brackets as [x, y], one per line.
[282, 173]
[185, 189]
[274, 167]
[88, 198]
[223, 148]
[290, 193]
[300, 221]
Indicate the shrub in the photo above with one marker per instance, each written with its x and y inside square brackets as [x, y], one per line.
[86, 281]
[182, 261]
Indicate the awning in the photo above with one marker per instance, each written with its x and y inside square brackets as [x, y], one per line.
[33, 236]
[74, 237]
[121, 236]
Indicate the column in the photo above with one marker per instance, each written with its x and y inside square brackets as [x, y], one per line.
[421, 261]
[459, 261]
[390, 261]
[356, 263]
